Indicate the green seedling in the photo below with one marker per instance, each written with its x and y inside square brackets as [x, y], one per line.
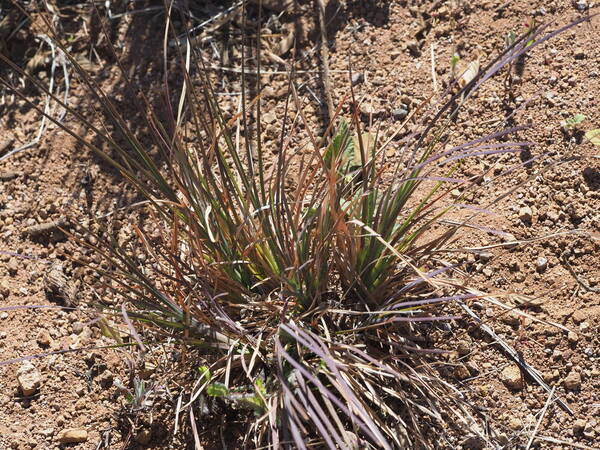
[454, 61]
[138, 398]
[572, 122]
[241, 400]
[217, 390]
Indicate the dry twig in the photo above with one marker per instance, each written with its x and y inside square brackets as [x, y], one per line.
[580, 280]
[42, 228]
[566, 443]
[325, 60]
[542, 414]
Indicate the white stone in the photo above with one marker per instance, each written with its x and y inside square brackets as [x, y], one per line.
[29, 378]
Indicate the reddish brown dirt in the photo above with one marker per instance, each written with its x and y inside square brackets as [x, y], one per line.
[560, 79]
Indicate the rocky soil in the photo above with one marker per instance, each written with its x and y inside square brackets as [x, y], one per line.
[400, 54]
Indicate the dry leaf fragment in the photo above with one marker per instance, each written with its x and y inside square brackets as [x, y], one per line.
[286, 42]
[467, 71]
[593, 136]
[368, 142]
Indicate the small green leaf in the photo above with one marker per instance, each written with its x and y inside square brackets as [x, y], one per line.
[217, 390]
[340, 146]
[454, 61]
[205, 372]
[593, 136]
[575, 120]
[260, 386]
[578, 118]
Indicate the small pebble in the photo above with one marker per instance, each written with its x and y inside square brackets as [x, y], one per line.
[580, 315]
[461, 372]
[485, 256]
[47, 432]
[525, 214]
[13, 266]
[512, 378]
[72, 436]
[549, 377]
[515, 423]
[541, 264]
[510, 319]
[579, 426]
[573, 337]
[368, 109]
[269, 117]
[463, 348]
[4, 288]
[77, 327]
[357, 77]
[399, 113]
[572, 382]
[44, 338]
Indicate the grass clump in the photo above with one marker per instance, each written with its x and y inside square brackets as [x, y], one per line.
[308, 284]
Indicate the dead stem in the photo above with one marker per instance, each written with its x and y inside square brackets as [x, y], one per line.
[325, 60]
